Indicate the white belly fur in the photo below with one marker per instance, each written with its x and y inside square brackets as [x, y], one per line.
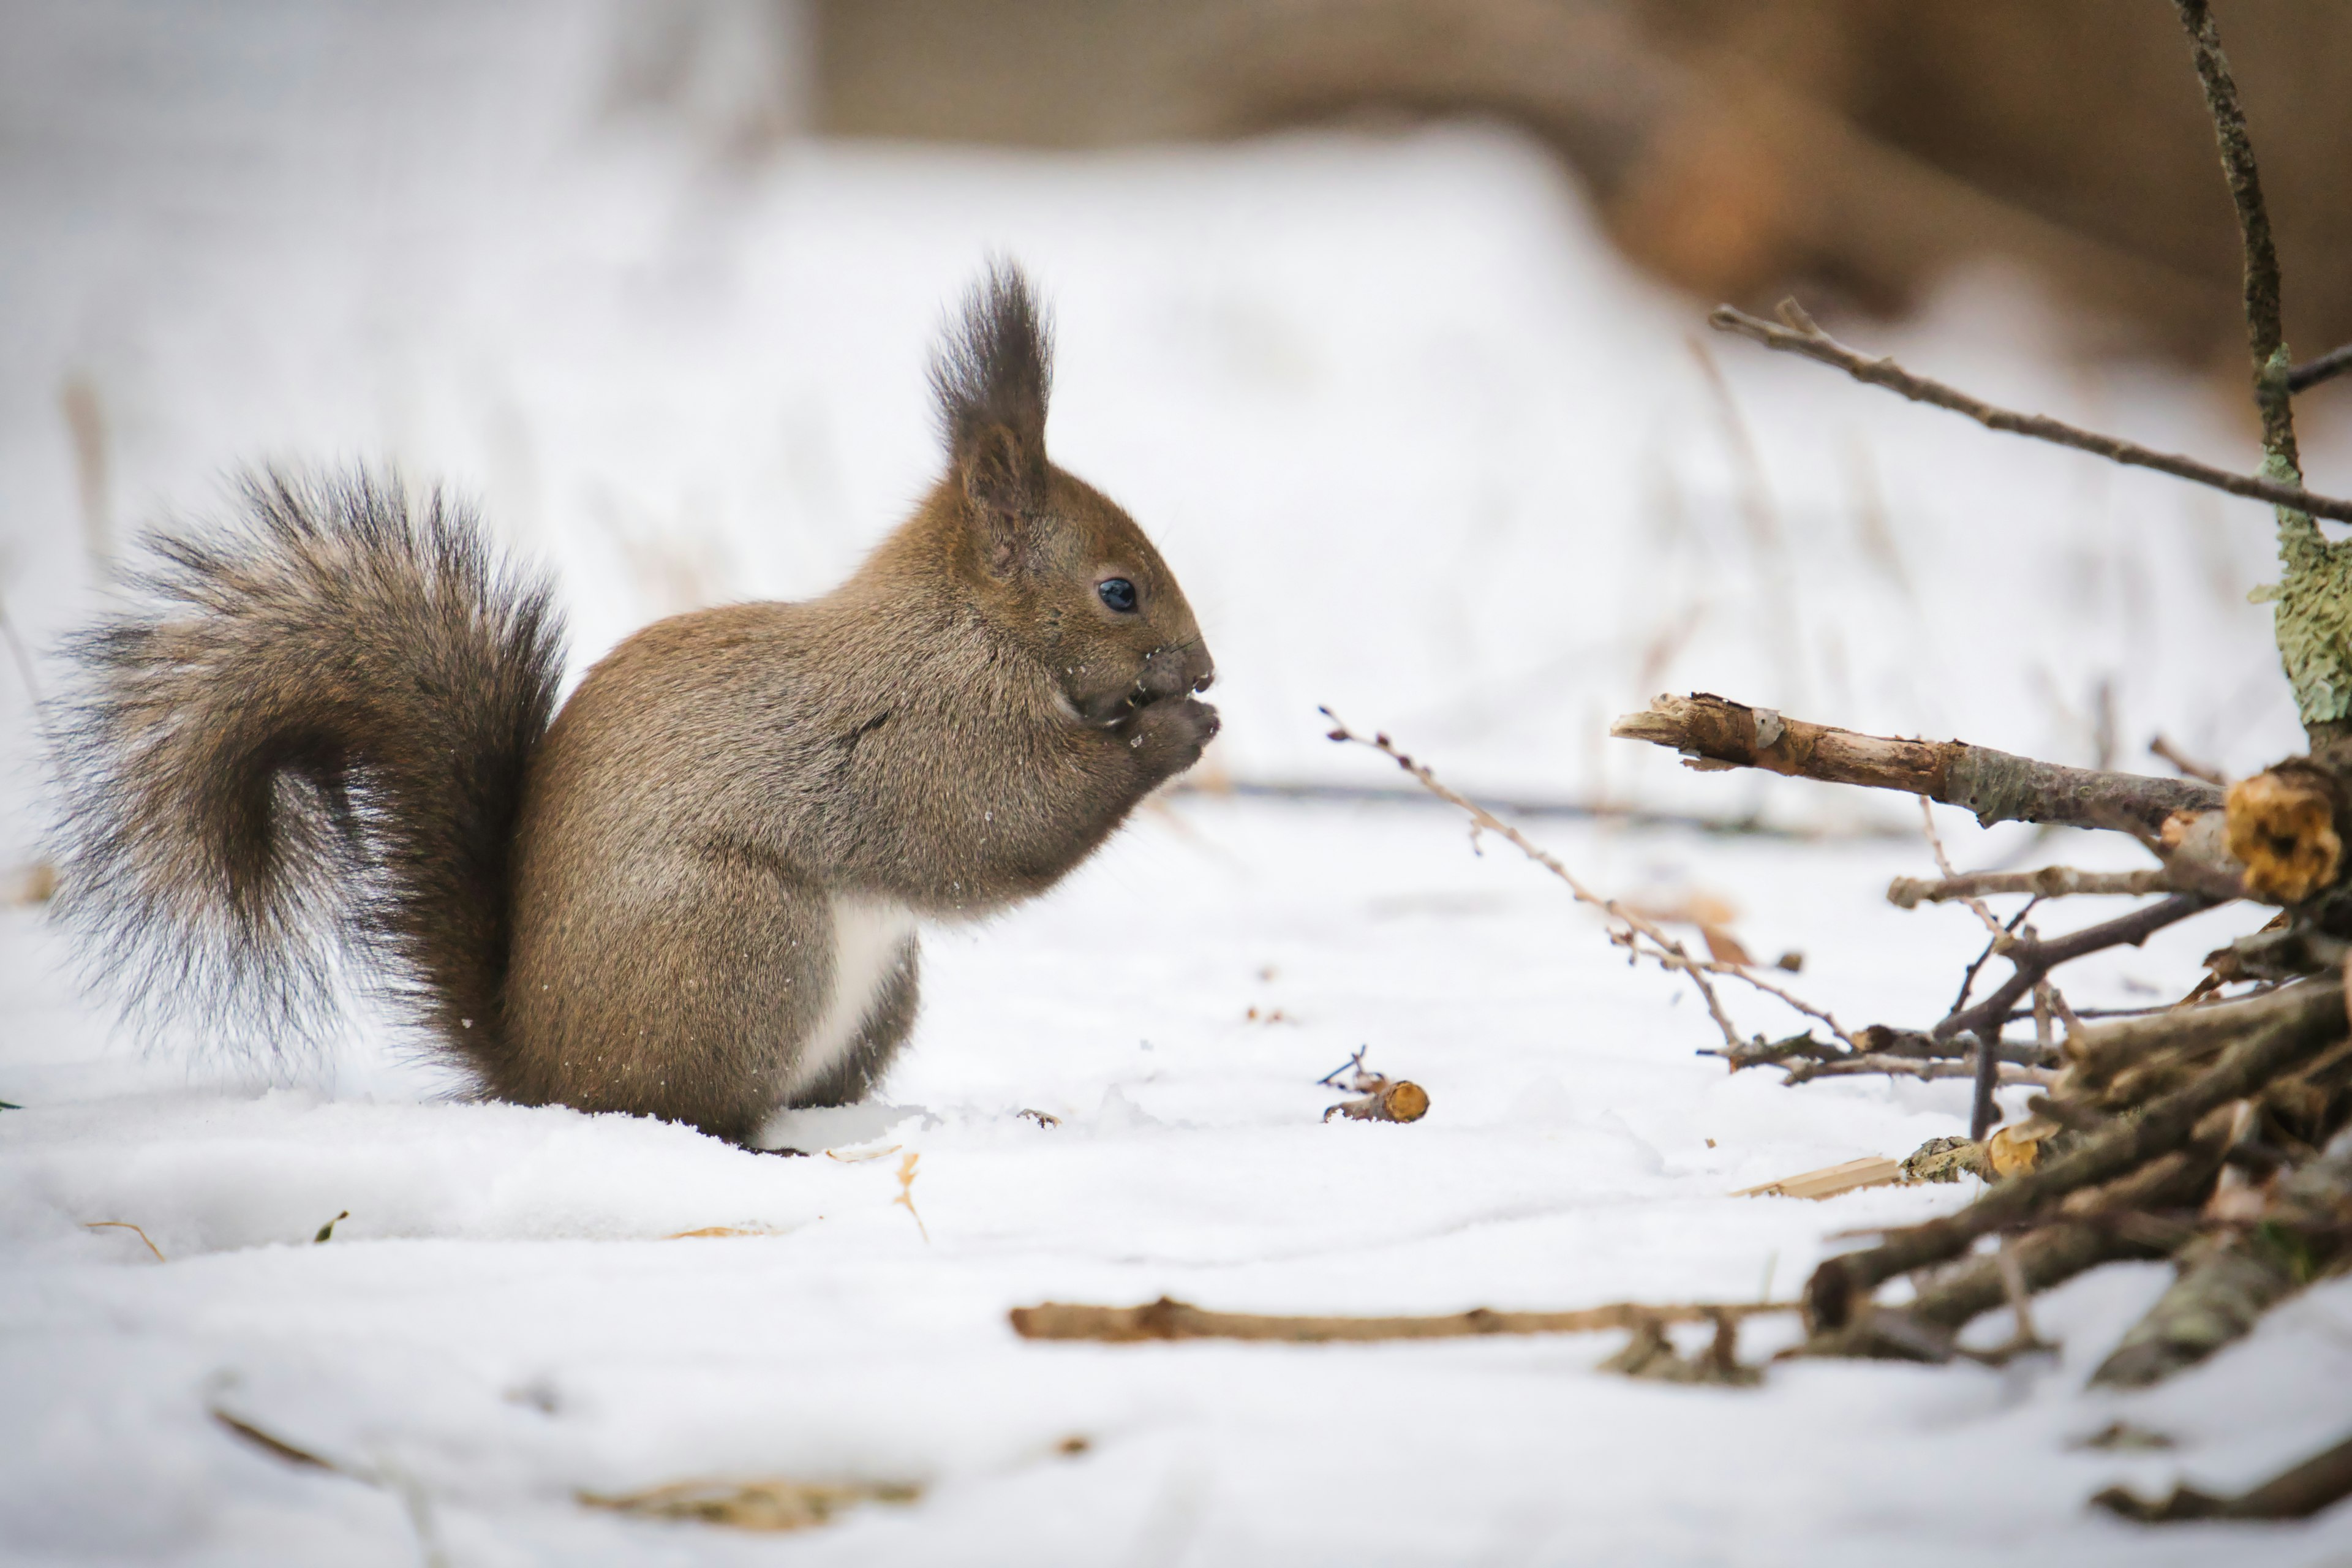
[867, 936]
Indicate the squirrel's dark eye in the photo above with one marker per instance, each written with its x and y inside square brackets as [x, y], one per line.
[1117, 593]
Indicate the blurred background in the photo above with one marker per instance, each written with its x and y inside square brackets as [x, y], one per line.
[1385, 317]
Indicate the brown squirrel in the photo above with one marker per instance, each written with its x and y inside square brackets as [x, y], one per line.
[326, 736]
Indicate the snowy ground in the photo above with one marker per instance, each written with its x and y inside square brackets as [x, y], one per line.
[1420, 447]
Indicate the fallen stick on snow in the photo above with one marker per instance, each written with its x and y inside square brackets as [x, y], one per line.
[1168, 1319]
[2298, 1493]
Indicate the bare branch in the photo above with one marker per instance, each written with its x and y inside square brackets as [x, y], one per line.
[1865, 1063]
[2327, 367]
[2265, 334]
[2035, 959]
[1816, 344]
[2049, 882]
[1996, 786]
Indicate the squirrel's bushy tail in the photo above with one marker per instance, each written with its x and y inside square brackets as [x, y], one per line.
[306, 744]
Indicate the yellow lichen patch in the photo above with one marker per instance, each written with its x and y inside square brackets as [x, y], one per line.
[2283, 826]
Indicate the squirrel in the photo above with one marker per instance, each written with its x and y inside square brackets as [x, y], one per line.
[326, 741]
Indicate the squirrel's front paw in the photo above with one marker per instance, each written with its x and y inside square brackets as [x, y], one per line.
[1171, 733]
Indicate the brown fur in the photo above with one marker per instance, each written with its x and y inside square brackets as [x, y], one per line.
[951, 730]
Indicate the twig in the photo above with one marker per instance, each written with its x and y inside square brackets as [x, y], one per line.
[413, 1499]
[1802, 337]
[1862, 1064]
[1923, 1328]
[1747, 827]
[2164, 748]
[2296, 1493]
[1984, 1110]
[1669, 952]
[2049, 882]
[126, 1225]
[1843, 1284]
[1168, 1319]
[2265, 332]
[1995, 786]
[1355, 1063]
[1944, 864]
[1969, 976]
[2097, 1054]
[2227, 1283]
[2035, 959]
[2327, 367]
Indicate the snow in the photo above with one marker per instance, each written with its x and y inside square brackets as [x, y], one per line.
[1420, 447]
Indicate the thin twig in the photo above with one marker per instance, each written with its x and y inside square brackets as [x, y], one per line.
[1742, 827]
[1867, 1064]
[2265, 334]
[2035, 959]
[2327, 367]
[126, 1225]
[2164, 748]
[1969, 976]
[2049, 882]
[1816, 344]
[1984, 1110]
[1669, 952]
[1944, 864]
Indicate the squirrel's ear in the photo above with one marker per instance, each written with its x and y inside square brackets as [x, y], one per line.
[1004, 480]
[993, 374]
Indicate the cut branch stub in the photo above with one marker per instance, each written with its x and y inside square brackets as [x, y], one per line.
[2285, 826]
[1996, 786]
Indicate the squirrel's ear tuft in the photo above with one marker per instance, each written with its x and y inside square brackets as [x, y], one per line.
[991, 375]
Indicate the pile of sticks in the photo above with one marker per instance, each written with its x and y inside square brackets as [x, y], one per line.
[2216, 1133]
[2211, 1132]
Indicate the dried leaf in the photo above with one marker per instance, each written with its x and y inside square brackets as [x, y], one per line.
[1724, 947]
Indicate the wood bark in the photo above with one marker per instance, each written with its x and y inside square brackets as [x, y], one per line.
[1996, 786]
[2228, 1283]
[2097, 1053]
[2086, 1236]
[1842, 1286]
[2298, 1492]
[1169, 1319]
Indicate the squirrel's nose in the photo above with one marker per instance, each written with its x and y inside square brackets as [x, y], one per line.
[1172, 671]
